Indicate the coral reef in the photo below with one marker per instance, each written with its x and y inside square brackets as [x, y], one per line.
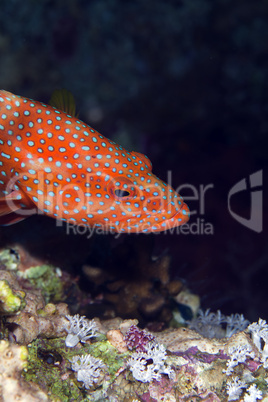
[23, 304]
[201, 104]
[68, 357]
[179, 364]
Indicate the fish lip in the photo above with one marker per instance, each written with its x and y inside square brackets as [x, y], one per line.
[171, 222]
[174, 221]
[179, 213]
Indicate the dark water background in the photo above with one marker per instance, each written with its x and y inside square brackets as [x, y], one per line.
[184, 82]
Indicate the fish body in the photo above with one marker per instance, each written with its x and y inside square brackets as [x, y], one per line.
[53, 163]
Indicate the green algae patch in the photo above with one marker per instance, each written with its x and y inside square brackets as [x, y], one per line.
[36, 272]
[109, 355]
[9, 259]
[47, 278]
[10, 301]
[23, 353]
[48, 366]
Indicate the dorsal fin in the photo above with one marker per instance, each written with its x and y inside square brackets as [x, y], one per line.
[144, 158]
[64, 100]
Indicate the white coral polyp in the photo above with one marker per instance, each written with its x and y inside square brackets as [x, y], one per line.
[80, 329]
[238, 354]
[142, 370]
[88, 369]
[253, 394]
[211, 325]
[234, 388]
[151, 364]
[259, 332]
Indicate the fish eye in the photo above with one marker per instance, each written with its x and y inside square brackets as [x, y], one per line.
[121, 188]
[121, 193]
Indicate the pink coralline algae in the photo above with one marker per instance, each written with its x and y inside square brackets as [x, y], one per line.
[138, 338]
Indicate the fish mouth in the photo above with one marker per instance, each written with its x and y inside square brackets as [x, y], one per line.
[179, 218]
[183, 214]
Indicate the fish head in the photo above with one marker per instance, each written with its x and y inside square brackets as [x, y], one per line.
[140, 201]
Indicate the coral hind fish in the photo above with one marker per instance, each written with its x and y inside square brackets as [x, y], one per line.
[53, 163]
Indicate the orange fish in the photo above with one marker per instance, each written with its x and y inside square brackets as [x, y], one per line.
[53, 163]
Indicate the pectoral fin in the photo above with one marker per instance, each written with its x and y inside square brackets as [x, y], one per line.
[15, 207]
